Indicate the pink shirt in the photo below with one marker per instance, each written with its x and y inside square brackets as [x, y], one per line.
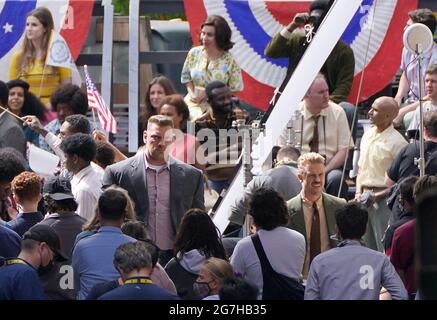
[50, 115]
[158, 190]
[161, 278]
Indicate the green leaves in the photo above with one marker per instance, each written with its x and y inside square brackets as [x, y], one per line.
[121, 6]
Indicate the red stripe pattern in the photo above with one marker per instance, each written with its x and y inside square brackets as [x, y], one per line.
[96, 103]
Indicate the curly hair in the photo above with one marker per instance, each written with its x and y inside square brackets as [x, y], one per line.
[32, 104]
[79, 144]
[27, 186]
[71, 95]
[78, 124]
[268, 209]
[197, 231]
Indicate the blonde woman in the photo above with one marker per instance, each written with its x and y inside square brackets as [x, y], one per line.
[28, 64]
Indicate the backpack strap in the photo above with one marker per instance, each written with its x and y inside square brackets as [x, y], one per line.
[265, 264]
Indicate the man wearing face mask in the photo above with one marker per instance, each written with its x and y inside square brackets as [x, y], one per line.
[215, 124]
[40, 247]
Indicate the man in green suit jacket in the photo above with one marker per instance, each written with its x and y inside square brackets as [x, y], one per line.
[312, 212]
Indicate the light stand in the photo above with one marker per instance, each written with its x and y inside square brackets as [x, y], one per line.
[419, 39]
[421, 161]
[249, 133]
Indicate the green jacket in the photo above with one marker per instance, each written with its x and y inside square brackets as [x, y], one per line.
[338, 69]
[296, 218]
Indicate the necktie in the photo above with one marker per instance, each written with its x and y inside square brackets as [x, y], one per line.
[315, 234]
[314, 143]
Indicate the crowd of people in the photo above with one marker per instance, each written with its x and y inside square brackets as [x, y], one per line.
[106, 226]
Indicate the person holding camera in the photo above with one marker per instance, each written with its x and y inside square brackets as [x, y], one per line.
[340, 64]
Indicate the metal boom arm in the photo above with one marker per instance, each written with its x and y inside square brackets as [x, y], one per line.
[329, 32]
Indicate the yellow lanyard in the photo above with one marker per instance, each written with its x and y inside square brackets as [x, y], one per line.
[138, 280]
[13, 261]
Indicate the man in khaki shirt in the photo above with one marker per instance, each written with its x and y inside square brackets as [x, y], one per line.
[379, 146]
[312, 212]
[324, 129]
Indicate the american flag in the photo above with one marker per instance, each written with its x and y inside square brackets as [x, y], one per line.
[96, 102]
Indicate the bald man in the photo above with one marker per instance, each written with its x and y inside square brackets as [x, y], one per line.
[379, 146]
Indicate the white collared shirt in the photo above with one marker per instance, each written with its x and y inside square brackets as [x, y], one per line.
[427, 106]
[377, 152]
[409, 65]
[86, 186]
[334, 133]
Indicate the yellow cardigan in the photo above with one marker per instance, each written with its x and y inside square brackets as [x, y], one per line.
[41, 84]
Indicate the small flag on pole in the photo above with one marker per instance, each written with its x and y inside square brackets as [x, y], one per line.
[95, 102]
[59, 55]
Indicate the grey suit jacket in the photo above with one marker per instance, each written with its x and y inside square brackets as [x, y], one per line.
[186, 186]
[282, 179]
[11, 133]
[330, 205]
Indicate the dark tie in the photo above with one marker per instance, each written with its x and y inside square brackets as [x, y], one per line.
[315, 234]
[314, 143]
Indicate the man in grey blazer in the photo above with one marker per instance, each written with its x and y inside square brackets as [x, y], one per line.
[161, 187]
[11, 132]
[312, 212]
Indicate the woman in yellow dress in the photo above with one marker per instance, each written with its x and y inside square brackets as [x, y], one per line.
[28, 64]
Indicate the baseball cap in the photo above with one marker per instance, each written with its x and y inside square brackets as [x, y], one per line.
[45, 233]
[57, 188]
